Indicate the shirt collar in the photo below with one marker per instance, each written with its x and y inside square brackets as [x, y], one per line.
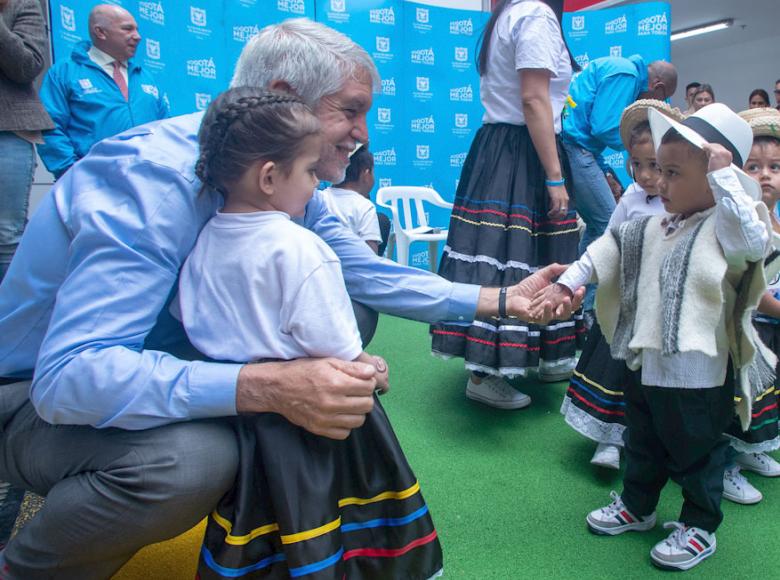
[673, 222]
[101, 58]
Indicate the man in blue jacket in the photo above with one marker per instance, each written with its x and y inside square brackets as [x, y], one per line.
[99, 92]
[600, 92]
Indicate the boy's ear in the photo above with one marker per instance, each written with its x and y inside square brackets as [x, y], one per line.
[267, 175]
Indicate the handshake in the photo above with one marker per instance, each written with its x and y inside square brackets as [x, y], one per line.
[539, 299]
[552, 298]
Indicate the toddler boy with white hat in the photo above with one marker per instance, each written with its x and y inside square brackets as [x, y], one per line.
[674, 301]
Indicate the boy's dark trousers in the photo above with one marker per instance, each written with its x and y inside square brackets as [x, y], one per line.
[678, 434]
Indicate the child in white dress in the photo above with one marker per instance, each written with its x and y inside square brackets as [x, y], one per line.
[259, 287]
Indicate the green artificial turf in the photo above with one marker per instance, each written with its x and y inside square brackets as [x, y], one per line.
[509, 490]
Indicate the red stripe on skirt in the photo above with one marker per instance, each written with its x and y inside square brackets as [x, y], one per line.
[589, 404]
[515, 215]
[487, 342]
[764, 410]
[387, 553]
[561, 339]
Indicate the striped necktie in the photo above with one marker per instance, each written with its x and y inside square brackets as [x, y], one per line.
[119, 78]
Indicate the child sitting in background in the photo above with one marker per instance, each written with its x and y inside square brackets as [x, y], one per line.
[675, 293]
[751, 446]
[593, 405]
[256, 287]
[349, 201]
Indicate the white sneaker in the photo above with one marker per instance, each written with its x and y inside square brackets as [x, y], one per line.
[738, 489]
[496, 392]
[615, 519]
[684, 548]
[760, 463]
[555, 373]
[607, 456]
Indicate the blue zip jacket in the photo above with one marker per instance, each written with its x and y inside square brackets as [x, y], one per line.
[87, 106]
[601, 91]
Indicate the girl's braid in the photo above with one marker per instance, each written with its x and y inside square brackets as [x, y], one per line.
[226, 116]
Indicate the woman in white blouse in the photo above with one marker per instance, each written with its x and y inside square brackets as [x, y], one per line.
[513, 211]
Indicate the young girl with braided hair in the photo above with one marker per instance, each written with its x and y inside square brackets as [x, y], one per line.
[259, 287]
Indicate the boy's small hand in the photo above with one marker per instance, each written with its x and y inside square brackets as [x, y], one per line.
[718, 157]
[549, 298]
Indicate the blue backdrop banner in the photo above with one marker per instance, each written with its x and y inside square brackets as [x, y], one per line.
[427, 109]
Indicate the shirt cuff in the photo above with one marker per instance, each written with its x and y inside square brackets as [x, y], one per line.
[463, 302]
[724, 183]
[213, 389]
[578, 274]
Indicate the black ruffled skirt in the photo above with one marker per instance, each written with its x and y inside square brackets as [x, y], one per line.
[499, 234]
[312, 507]
[593, 405]
[762, 435]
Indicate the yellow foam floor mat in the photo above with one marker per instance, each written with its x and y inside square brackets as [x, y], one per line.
[174, 559]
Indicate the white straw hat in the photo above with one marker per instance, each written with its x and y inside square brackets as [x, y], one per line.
[715, 123]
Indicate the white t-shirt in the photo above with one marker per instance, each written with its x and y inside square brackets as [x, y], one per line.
[354, 211]
[526, 36]
[259, 286]
[633, 204]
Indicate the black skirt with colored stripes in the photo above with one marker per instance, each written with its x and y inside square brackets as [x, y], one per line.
[762, 435]
[499, 234]
[308, 506]
[593, 405]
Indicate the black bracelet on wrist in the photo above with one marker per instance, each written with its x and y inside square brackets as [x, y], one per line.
[502, 302]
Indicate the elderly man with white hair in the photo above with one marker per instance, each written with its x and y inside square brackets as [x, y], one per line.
[99, 91]
[107, 410]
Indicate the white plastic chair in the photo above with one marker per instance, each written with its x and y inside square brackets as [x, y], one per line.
[411, 227]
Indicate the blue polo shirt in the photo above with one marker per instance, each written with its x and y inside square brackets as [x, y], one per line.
[601, 91]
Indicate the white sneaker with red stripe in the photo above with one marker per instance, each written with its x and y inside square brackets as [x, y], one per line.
[615, 519]
[684, 548]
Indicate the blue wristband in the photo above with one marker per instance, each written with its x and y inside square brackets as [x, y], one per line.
[554, 183]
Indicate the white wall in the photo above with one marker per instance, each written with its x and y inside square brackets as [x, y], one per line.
[733, 70]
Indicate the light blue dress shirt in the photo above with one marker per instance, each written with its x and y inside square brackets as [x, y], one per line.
[85, 300]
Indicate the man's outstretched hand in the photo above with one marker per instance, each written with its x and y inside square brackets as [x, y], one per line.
[520, 298]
